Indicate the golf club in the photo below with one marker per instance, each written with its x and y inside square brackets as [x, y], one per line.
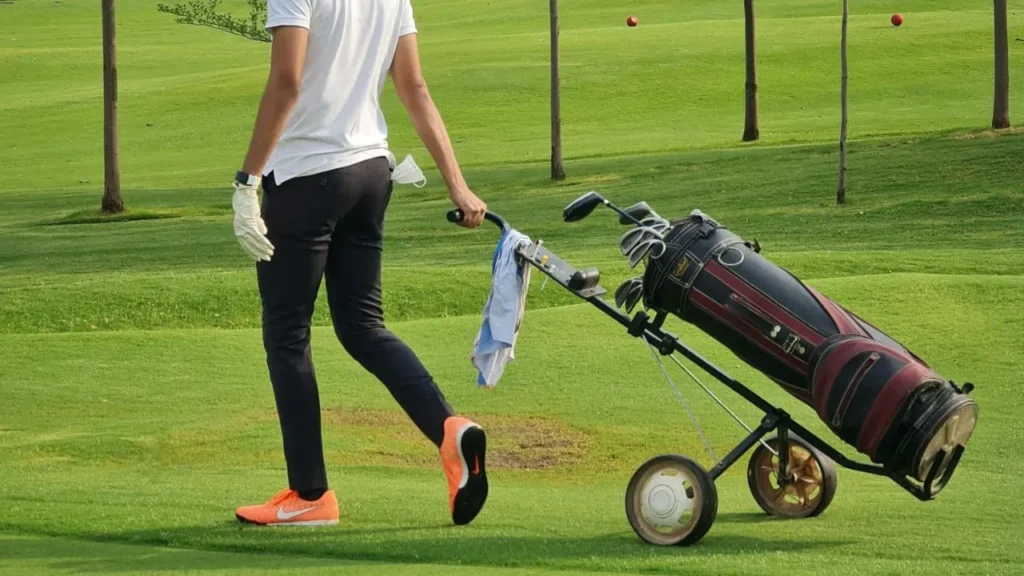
[638, 211]
[636, 290]
[581, 207]
[645, 247]
[623, 291]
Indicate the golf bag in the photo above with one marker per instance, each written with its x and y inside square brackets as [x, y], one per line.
[872, 392]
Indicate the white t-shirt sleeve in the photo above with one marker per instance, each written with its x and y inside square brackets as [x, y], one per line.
[408, 22]
[289, 13]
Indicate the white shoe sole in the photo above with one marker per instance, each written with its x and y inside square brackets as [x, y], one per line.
[305, 523]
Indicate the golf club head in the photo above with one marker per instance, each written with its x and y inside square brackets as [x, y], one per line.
[621, 292]
[656, 227]
[653, 247]
[625, 289]
[628, 240]
[639, 211]
[656, 222]
[635, 291]
[644, 235]
[640, 250]
[634, 236]
[581, 207]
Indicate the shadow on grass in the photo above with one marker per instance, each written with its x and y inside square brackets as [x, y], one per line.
[745, 518]
[83, 556]
[411, 544]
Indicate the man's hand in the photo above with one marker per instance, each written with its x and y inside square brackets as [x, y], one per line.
[473, 208]
[249, 226]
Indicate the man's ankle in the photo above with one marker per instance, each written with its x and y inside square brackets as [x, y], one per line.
[312, 495]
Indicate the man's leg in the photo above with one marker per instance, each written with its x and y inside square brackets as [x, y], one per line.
[299, 225]
[354, 294]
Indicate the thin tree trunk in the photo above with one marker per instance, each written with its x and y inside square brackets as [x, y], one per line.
[841, 192]
[1001, 99]
[750, 129]
[557, 169]
[111, 170]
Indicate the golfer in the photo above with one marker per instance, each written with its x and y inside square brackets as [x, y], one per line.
[320, 149]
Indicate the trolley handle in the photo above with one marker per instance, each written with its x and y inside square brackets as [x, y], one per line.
[455, 216]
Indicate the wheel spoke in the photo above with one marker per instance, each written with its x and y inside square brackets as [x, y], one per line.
[796, 461]
[780, 495]
[809, 480]
[805, 498]
[813, 488]
[811, 470]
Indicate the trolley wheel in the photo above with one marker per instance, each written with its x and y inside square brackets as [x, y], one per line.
[671, 501]
[811, 485]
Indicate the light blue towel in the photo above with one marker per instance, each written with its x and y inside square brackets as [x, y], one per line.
[503, 312]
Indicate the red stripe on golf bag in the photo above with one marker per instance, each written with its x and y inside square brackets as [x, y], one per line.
[747, 343]
[844, 322]
[890, 403]
[771, 309]
[744, 328]
[832, 357]
[847, 398]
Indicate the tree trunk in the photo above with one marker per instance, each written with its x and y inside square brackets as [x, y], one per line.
[841, 192]
[111, 170]
[557, 170]
[1001, 99]
[750, 129]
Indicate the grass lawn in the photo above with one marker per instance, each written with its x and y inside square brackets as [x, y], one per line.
[135, 411]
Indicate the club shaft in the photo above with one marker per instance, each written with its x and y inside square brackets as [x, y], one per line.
[621, 212]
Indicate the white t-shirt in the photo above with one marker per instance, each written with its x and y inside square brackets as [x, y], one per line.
[337, 120]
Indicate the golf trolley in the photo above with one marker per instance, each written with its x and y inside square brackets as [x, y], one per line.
[673, 500]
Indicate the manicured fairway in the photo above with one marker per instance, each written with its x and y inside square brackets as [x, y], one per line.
[135, 411]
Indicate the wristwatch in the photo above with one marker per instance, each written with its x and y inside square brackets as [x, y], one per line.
[246, 179]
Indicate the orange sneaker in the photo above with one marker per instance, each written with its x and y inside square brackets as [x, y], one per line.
[462, 455]
[287, 509]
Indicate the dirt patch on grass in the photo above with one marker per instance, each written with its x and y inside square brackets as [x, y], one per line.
[516, 443]
[990, 133]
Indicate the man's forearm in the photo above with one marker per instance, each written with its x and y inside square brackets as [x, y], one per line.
[431, 130]
[271, 119]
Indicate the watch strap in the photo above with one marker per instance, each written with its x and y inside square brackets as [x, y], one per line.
[246, 179]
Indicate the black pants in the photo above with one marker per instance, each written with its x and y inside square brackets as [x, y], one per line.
[332, 224]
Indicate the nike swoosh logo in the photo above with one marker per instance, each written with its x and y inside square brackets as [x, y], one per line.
[282, 515]
[476, 465]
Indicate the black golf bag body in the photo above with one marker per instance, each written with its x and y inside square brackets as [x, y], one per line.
[870, 390]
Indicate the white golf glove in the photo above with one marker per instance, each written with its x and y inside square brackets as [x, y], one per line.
[249, 226]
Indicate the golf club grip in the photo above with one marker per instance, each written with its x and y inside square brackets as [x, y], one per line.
[455, 216]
